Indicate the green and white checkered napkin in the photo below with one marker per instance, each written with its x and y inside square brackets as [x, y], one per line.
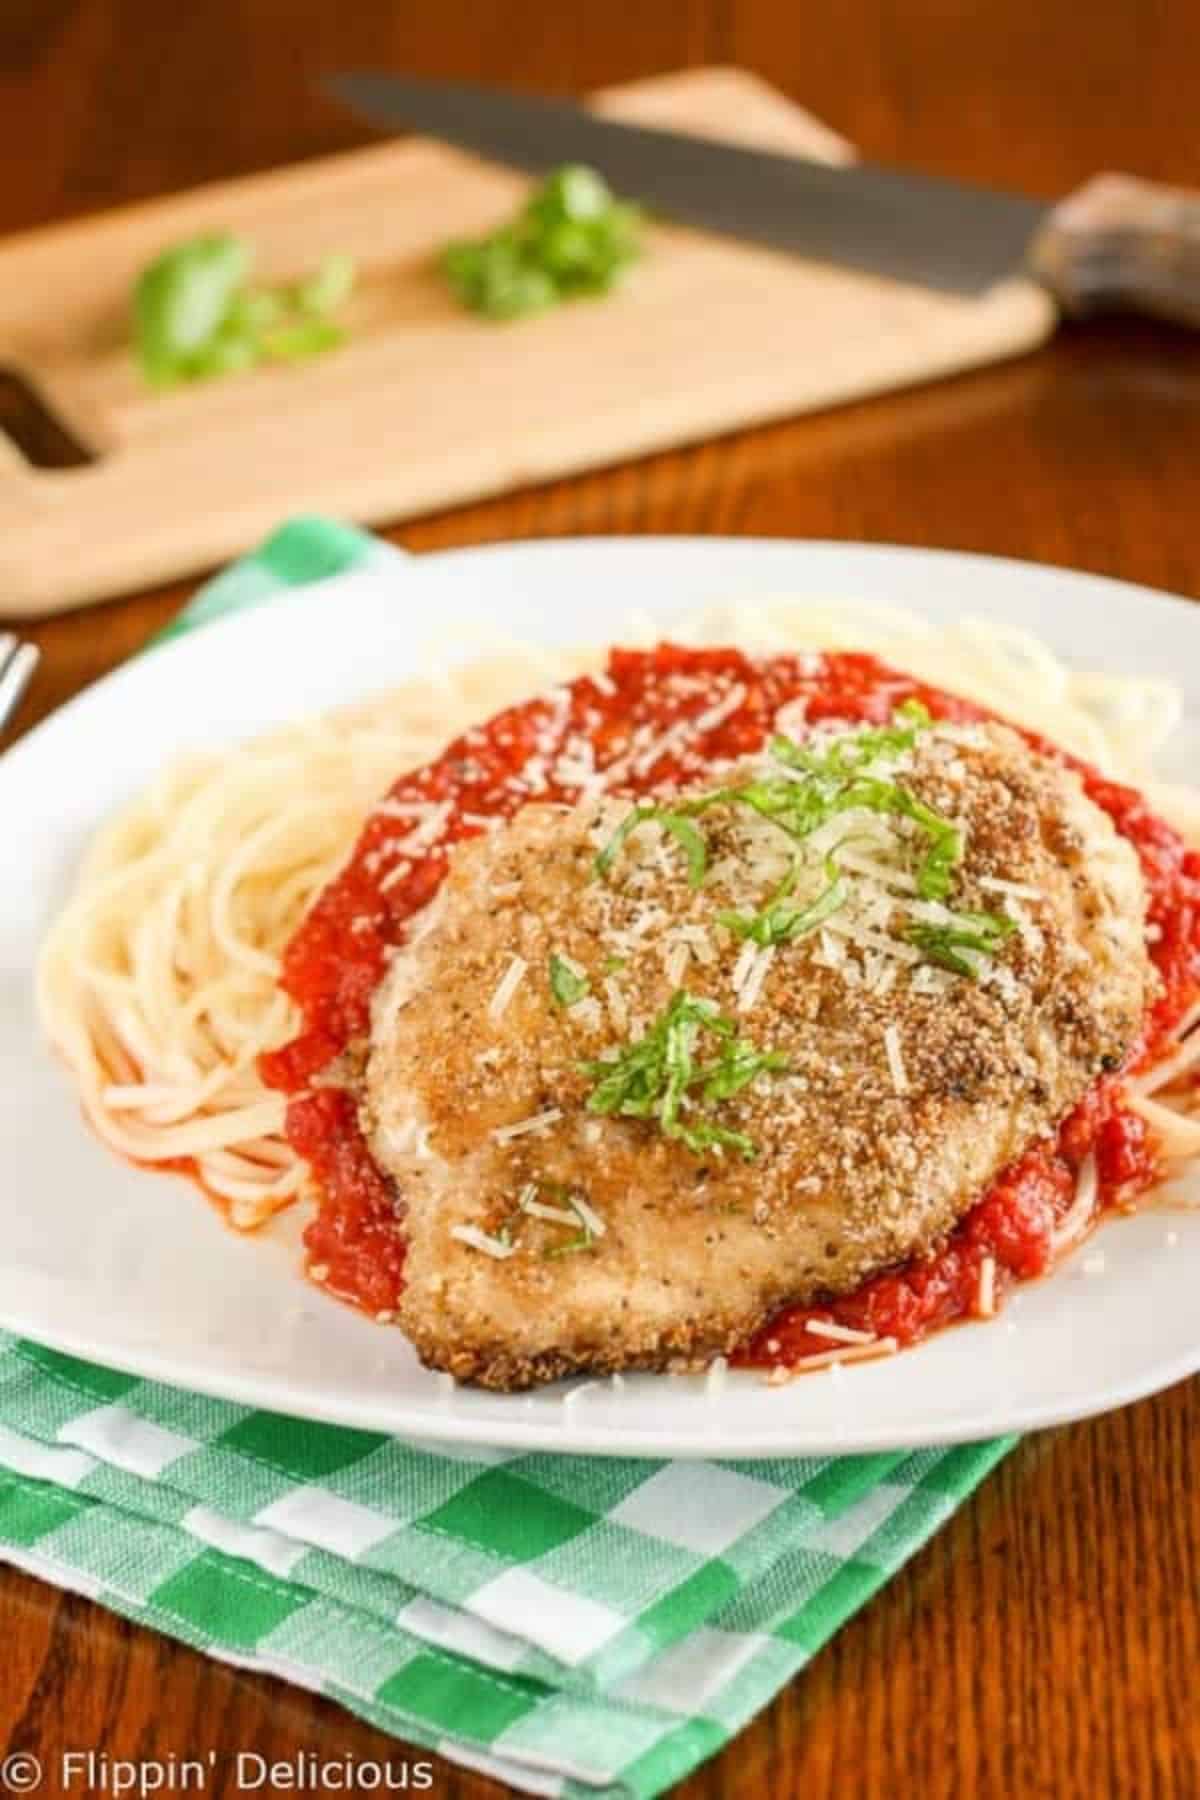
[572, 1625]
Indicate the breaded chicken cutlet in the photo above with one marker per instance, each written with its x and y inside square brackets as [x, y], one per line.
[645, 1074]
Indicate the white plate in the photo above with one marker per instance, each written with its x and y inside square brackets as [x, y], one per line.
[133, 1269]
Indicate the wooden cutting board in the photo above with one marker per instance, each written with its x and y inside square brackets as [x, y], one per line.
[427, 405]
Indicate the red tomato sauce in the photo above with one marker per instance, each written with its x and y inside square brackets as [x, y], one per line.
[340, 954]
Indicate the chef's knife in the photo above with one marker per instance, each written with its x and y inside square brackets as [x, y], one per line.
[1119, 242]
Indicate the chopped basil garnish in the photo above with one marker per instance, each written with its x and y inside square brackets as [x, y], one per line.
[660, 1078]
[779, 921]
[832, 781]
[573, 238]
[195, 316]
[943, 944]
[836, 783]
[849, 755]
[687, 835]
[946, 846]
[566, 986]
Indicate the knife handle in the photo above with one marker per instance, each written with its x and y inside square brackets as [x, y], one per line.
[1122, 244]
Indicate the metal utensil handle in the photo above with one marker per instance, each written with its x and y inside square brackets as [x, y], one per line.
[17, 664]
[1122, 244]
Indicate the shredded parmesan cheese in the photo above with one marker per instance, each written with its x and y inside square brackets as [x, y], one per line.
[678, 958]
[716, 1377]
[390, 808]
[537, 1122]
[480, 1240]
[882, 872]
[838, 1334]
[430, 825]
[832, 1359]
[724, 709]
[985, 1303]
[660, 746]
[837, 926]
[699, 943]
[896, 1069]
[618, 1012]
[557, 1215]
[752, 986]
[509, 983]
[747, 957]
[1019, 890]
[395, 876]
[588, 1217]
[588, 1012]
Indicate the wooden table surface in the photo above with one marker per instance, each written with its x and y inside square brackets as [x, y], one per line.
[1046, 1642]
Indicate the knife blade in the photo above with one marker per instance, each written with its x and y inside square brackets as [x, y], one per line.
[1119, 243]
[888, 221]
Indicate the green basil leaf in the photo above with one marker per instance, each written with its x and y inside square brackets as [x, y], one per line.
[183, 298]
[660, 1078]
[307, 337]
[778, 922]
[328, 287]
[944, 943]
[571, 239]
[566, 986]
